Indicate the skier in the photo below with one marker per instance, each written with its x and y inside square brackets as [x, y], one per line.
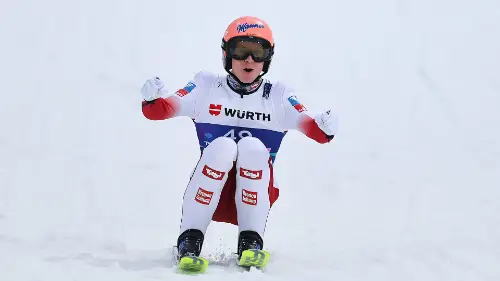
[240, 119]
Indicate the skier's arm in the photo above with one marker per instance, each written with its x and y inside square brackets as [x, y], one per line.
[319, 127]
[181, 103]
[160, 108]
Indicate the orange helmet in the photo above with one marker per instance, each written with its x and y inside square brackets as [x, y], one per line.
[248, 28]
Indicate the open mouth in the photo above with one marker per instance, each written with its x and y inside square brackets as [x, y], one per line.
[248, 70]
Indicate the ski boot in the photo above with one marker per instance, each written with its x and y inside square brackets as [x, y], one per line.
[189, 246]
[250, 253]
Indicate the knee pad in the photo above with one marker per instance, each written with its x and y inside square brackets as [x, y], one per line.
[222, 149]
[251, 149]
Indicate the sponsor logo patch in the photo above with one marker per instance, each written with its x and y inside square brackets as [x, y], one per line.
[249, 115]
[296, 104]
[212, 173]
[249, 197]
[267, 90]
[203, 196]
[249, 174]
[186, 90]
[215, 109]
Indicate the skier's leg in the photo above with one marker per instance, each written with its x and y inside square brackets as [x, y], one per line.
[203, 192]
[252, 192]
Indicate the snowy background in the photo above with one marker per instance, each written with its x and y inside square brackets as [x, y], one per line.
[409, 189]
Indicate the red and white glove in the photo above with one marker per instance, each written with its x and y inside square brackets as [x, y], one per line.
[152, 89]
[327, 122]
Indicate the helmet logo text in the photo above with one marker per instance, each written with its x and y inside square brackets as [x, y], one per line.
[243, 27]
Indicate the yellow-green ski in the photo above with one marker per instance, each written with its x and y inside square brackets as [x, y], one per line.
[254, 258]
[192, 265]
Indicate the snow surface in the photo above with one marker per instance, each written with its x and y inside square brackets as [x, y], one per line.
[409, 189]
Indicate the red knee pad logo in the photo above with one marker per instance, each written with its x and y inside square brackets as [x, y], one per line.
[203, 196]
[249, 174]
[249, 197]
[212, 173]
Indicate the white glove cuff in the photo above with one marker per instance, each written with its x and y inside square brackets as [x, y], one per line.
[327, 122]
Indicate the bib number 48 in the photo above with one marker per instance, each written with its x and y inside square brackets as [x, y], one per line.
[237, 134]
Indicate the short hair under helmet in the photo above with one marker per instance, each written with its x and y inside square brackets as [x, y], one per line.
[249, 27]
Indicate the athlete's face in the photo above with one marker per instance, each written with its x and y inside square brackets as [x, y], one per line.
[247, 70]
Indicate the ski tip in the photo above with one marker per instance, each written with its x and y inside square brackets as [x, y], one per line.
[192, 265]
[254, 258]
